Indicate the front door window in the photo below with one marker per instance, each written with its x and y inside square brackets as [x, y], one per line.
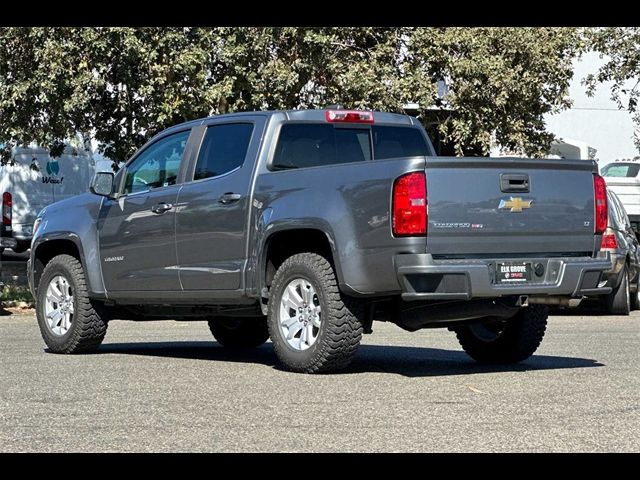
[157, 166]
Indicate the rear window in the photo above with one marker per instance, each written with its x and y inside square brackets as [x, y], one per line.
[394, 142]
[629, 170]
[311, 144]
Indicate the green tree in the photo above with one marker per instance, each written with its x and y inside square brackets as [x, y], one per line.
[502, 82]
[621, 46]
[122, 85]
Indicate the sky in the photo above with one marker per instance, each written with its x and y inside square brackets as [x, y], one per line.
[595, 120]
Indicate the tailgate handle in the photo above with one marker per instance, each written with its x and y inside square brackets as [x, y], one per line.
[514, 182]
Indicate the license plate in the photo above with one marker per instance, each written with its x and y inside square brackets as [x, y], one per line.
[513, 272]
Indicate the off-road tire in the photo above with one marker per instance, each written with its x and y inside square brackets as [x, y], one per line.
[341, 326]
[88, 328]
[618, 302]
[239, 332]
[518, 340]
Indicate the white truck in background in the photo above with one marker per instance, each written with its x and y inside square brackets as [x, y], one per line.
[622, 177]
[34, 180]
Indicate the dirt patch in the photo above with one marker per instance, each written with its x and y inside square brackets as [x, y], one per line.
[16, 308]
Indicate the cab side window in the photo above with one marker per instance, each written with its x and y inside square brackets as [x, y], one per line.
[223, 149]
[157, 166]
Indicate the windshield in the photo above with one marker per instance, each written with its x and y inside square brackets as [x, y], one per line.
[629, 170]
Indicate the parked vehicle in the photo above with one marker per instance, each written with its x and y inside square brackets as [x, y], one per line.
[304, 226]
[36, 180]
[5, 243]
[622, 177]
[620, 240]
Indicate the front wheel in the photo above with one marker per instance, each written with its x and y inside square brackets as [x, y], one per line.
[68, 320]
[313, 326]
[505, 341]
[239, 332]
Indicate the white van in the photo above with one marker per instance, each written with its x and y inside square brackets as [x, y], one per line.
[36, 180]
[623, 177]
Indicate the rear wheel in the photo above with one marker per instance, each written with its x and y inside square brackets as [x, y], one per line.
[618, 302]
[68, 320]
[505, 341]
[239, 332]
[313, 326]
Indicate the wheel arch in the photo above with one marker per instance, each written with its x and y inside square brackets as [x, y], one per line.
[282, 243]
[64, 244]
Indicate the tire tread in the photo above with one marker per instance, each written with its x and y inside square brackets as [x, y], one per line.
[619, 301]
[90, 328]
[520, 339]
[343, 320]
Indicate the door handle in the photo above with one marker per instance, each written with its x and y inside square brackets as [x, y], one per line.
[229, 197]
[161, 208]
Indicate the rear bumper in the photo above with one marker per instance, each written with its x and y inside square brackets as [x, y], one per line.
[23, 231]
[8, 242]
[423, 278]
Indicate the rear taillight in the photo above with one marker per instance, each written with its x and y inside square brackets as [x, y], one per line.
[348, 116]
[601, 206]
[609, 241]
[410, 205]
[7, 204]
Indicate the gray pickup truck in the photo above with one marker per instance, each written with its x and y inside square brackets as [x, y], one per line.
[305, 226]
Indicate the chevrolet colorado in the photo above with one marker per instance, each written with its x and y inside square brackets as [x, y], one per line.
[305, 226]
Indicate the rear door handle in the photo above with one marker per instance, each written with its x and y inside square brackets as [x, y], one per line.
[161, 208]
[229, 197]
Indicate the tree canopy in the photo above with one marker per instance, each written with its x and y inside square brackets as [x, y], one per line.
[621, 46]
[122, 85]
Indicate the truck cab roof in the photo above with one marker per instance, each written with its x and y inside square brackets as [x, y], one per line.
[311, 115]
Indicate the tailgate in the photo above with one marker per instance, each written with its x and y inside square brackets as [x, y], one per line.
[509, 206]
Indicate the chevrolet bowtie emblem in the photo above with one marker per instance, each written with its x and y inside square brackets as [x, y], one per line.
[515, 204]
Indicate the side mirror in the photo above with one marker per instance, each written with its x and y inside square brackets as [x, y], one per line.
[103, 184]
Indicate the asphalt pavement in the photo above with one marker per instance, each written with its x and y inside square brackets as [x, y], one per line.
[167, 386]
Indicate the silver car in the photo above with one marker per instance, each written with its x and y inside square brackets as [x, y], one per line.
[621, 241]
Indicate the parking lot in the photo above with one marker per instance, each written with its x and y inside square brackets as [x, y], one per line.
[167, 386]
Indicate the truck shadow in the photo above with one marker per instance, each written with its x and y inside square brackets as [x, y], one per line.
[400, 360]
